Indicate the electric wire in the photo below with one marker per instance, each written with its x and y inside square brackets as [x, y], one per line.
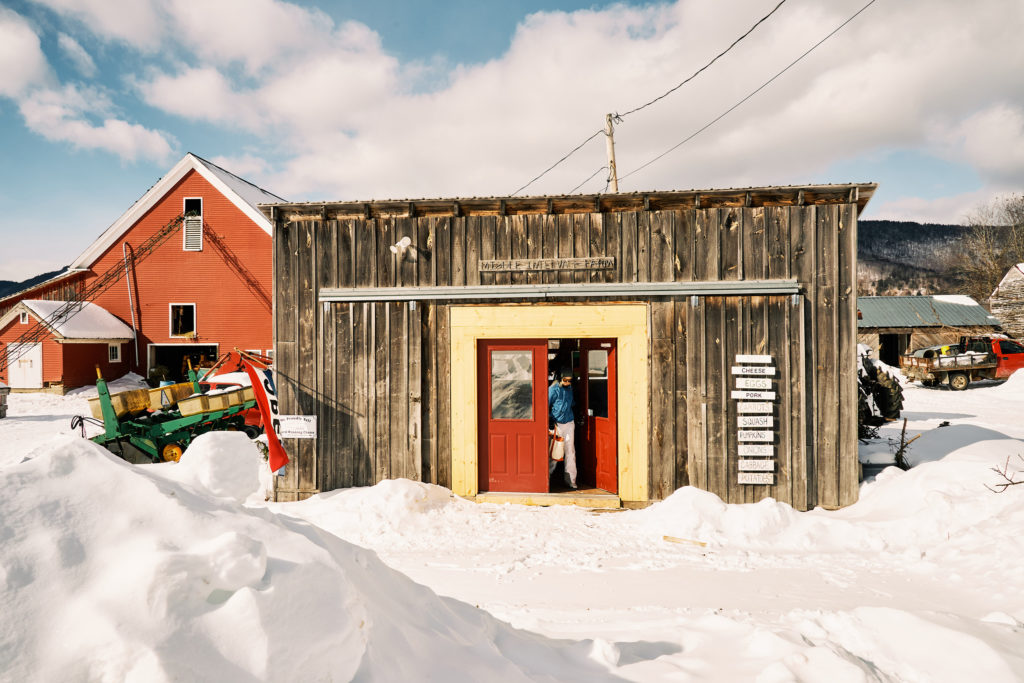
[698, 71]
[618, 117]
[759, 89]
[587, 180]
[545, 172]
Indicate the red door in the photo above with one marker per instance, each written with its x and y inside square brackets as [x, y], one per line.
[601, 436]
[513, 406]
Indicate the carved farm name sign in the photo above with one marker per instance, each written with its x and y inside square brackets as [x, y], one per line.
[523, 264]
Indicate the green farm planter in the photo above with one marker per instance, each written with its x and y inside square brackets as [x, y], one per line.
[164, 434]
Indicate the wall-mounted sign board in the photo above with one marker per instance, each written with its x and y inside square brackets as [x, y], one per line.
[754, 407]
[762, 478]
[755, 421]
[753, 383]
[750, 358]
[757, 465]
[767, 370]
[297, 426]
[755, 435]
[754, 395]
[524, 264]
[756, 449]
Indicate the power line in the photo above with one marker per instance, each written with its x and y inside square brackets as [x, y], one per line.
[574, 150]
[618, 117]
[698, 71]
[759, 89]
[587, 180]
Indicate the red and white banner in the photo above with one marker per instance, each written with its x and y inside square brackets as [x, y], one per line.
[266, 398]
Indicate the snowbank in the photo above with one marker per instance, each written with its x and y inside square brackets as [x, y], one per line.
[114, 572]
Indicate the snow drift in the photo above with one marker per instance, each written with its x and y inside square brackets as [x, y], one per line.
[114, 572]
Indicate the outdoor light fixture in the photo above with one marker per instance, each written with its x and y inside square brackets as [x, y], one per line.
[403, 246]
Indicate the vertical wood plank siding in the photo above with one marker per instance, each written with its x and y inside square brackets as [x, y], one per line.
[375, 374]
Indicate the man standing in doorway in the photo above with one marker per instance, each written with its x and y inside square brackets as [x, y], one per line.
[560, 405]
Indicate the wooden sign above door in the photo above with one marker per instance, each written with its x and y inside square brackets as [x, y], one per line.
[524, 264]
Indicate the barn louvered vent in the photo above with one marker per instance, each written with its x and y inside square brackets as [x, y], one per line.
[193, 225]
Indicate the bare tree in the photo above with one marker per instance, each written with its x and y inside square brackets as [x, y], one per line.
[1009, 478]
[994, 243]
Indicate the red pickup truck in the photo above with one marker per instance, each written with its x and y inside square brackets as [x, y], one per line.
[974, 358]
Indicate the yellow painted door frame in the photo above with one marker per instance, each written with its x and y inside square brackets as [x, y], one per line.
[626, 323]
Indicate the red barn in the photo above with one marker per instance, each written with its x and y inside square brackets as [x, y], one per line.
[191, 287]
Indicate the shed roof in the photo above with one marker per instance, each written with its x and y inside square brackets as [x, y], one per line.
[794, 195]
[922, 311]
[89, 322]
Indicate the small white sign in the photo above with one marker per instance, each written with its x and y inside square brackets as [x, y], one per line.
[754, 395]
[753, 370]
[755, 435]
[753, 383]
[756, 449]
[297, 427]
[757, 465]
[748, 358]
[761, 478]
[754, 407]
[755, 421]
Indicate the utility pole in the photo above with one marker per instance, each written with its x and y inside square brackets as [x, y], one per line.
[609, 136]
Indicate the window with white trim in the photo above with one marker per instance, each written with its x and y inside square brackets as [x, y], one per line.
[193, 228]
[23, 318]
[114, 353]
[183, 320]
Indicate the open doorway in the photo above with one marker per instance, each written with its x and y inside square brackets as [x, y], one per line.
[891, 347]
[169, 362]
[593, 367]
[514, 377]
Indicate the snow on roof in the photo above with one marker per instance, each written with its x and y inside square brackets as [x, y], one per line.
[239, 192]
[922, 311]
[89, 322]
[252, 194]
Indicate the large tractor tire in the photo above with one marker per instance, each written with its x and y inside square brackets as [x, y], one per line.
[888, 395]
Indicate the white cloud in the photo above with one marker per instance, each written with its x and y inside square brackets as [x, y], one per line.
[243, 165]
[202, 94]
[135, 22]
[992, 141]
[22, 62]
[77, 54]
[261, 31]
[340, 117]
[64, 116]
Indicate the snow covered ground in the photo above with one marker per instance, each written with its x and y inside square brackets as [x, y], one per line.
[179, 572]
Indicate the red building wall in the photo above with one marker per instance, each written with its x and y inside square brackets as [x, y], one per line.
[53, 363]
[230, 284]
[80, 361]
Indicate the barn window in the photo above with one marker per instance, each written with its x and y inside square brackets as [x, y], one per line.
[114, 353]
[193, 224]
[183, 320]
[23, 318]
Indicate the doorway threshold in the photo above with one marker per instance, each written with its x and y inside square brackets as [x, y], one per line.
[589, 498]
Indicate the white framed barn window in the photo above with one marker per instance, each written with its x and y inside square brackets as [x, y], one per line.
[23, 318]
[114, 353]
[193, 228]
[183, 320]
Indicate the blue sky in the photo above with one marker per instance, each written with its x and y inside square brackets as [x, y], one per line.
[392, 99]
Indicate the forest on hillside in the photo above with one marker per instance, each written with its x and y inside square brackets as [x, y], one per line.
[907, 258]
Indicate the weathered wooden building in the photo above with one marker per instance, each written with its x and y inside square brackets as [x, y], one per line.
[893, 325]
[712, 335]
[1007, 301]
